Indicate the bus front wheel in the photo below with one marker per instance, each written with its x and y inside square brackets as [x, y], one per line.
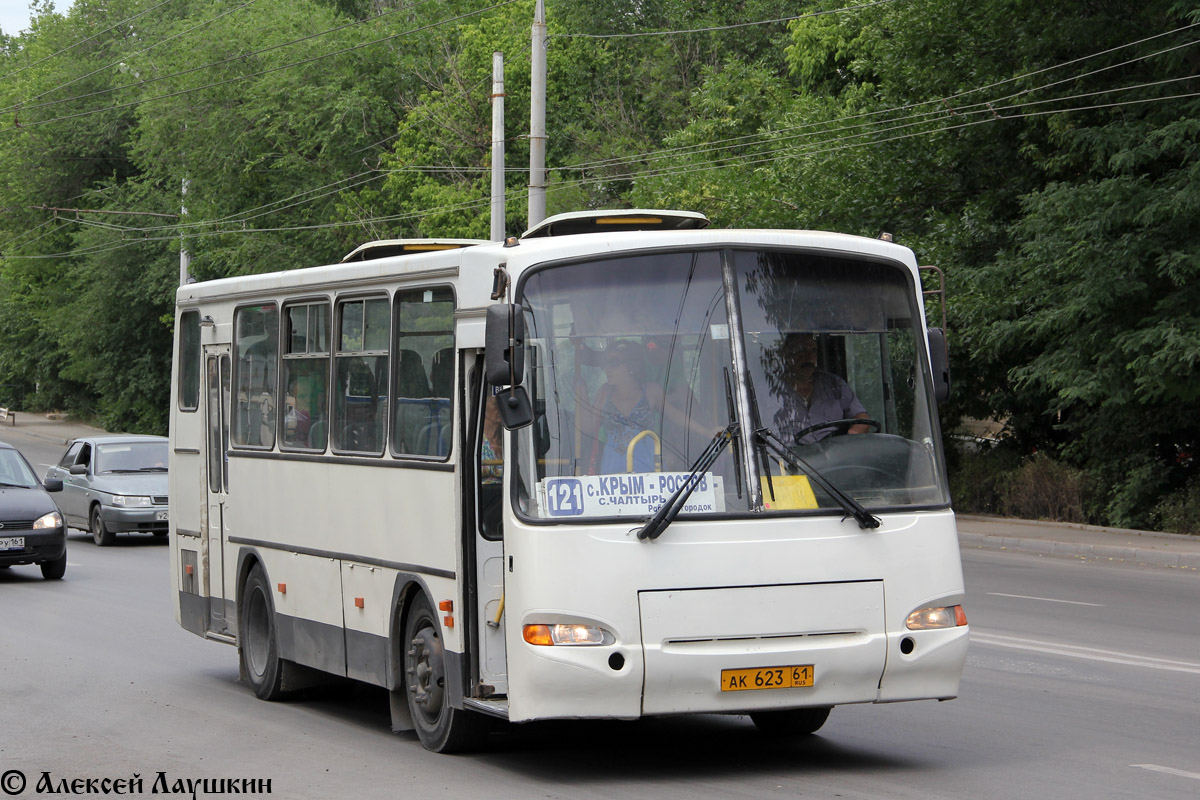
[257, 644]
[793, 722]
[440, 727]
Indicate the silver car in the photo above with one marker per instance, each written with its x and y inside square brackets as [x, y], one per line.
[114, 484]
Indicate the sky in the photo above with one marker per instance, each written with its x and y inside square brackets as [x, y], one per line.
[14, 16]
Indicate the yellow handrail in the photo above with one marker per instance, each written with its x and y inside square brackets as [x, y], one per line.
[657, 450]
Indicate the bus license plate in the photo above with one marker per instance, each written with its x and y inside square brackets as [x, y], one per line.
[739, 680]
[12, 543]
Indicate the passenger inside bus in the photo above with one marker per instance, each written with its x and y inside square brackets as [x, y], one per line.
[491, 470]
[632, 425]
[296, 418]
[624, 407]
[810, 396]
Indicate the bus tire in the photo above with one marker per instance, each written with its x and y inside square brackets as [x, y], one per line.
[101, 535]
[440, 728]
[793, 722]
[258, 646]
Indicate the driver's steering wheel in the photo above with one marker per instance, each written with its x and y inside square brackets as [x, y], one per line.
[843, 426]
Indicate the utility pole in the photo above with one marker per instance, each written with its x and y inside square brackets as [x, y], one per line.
[537, 118]
[497, 147]
[185, 258]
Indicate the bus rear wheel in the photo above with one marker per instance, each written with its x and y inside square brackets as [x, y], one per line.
[258, 646]
[440, 727]
[793, 722]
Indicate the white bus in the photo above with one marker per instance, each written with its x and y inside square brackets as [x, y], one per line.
[654, 529]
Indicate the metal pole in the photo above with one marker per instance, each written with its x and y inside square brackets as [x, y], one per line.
[497, 147]
[537, 118]
[185, 258]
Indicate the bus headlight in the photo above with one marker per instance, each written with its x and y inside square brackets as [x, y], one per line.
[567, 635]
[48, 522]
[924, 619]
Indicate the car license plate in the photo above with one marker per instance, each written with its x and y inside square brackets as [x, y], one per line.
[161, 516]
[740, 680]
[12, 543]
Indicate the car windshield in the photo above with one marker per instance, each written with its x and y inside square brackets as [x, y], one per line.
[130, 457]
[634, 367]
[14, 471]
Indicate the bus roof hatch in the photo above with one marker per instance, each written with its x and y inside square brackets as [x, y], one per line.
[625, 219]
[386, 248]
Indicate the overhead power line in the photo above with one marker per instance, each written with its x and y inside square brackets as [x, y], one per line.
[766, 145]
[118, 63]
[84, 41]
[942, 104]
[714, 29]
[135, 236]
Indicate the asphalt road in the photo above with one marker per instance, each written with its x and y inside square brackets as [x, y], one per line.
[1082, 682]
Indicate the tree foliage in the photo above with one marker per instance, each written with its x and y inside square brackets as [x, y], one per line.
[1043, 154]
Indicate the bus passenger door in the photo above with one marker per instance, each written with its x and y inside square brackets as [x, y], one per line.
[488, 454]
[216, 370]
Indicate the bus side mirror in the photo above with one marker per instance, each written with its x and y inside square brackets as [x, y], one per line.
[504, 343]
[515, 409]
[504, 363]
[939, 360]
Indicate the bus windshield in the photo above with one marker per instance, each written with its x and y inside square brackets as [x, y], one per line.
[635, 366]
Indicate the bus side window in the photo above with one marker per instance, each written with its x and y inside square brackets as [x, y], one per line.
[189, 361]
[257, 348]
[361, 366]
[424, 375]
[305, 376]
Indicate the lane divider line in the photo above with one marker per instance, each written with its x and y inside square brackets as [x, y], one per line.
[1168, 770]
[1090, 653]
[1045, 599]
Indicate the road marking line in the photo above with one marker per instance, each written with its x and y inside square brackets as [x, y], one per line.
[1045, 599]
[1090, 653]
[1169, 771]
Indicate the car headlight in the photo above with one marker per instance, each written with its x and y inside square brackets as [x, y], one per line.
[924, 619]
[569, 635]
[130, 501]
[48, 522]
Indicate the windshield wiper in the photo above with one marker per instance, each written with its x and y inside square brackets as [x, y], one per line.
[152, 469]
[4, 485]
[674, 504]
[852, 507]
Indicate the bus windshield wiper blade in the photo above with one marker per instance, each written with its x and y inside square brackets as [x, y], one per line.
[851, 506]
[670, 509]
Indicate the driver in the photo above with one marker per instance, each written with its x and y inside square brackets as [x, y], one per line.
[812, 396]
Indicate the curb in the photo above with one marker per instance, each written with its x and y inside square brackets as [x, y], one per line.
[1140, 555]
[1079, 526]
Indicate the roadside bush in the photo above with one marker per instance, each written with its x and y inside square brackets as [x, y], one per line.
[1042, 488]
[977, 476]
[1179, 512]
[998, 480]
